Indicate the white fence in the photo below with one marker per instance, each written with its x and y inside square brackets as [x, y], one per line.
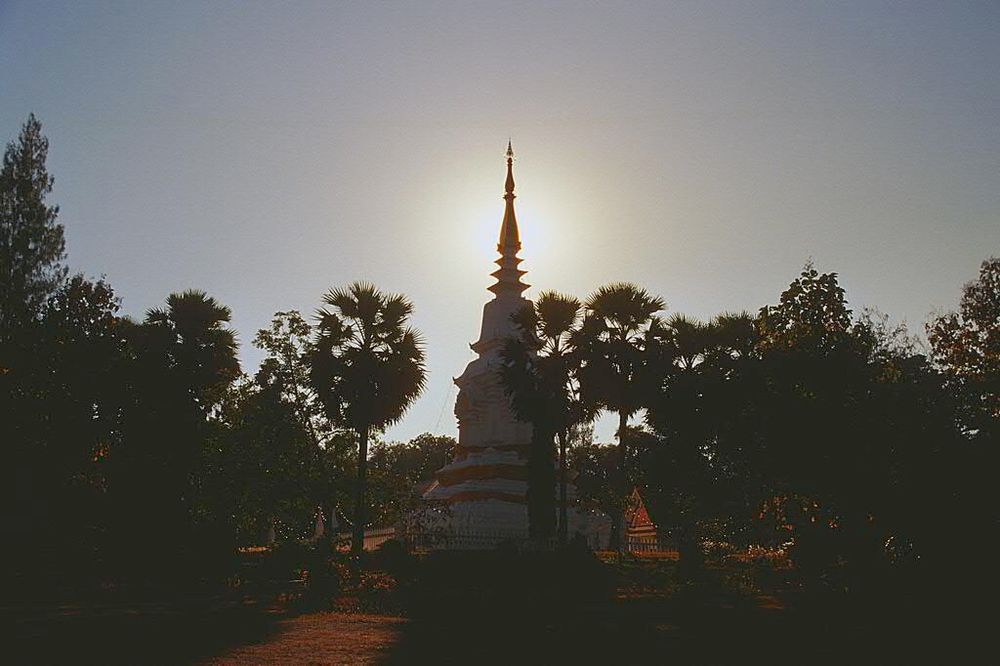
[648, 545]
[376, 537]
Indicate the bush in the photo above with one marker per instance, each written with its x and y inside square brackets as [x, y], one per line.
[392, 557]
[484, 583]
[324, 576]
[286, 561]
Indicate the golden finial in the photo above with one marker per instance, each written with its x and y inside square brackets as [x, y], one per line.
[510, 169]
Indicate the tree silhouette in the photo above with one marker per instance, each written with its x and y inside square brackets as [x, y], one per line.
[182, 363]
[540, 374]
[286, 368]
[61, 400]
[32, 246]
[684, 477]
[396, 470]
[196, 345]
[812, 314]
[277, 473]
[368, 368]
[615, 342]
[277, 451]
[967, 345]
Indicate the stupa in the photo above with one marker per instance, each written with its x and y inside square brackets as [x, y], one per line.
[485, 486]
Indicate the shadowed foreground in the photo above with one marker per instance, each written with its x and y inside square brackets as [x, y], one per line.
[504, 607]
[132, 632]
[624, 630]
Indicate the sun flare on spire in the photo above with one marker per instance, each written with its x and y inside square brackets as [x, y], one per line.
[508, 276]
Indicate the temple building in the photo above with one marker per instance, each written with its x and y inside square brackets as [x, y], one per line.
[485, 487]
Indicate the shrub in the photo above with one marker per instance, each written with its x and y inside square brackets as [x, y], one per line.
[392, 557]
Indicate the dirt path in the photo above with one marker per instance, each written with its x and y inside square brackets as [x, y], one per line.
[321, 638]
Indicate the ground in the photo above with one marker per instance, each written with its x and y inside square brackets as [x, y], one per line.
[322, 638]
[645, 619]
[620, 632]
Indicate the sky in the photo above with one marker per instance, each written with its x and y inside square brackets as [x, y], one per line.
[266, 152]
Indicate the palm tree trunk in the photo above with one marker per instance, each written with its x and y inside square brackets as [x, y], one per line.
[563, 512]
[541, 484]
[618, 534]
[358, 531]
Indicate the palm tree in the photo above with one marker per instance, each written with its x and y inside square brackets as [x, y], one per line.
[367, 367]
[182, 363]
[198, 346]
[696, 365]
[616, 341]
[540, 376]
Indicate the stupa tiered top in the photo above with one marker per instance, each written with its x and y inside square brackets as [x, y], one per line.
[509, 275]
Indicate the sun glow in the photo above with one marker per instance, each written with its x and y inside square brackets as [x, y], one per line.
[549, 248]
[465, 204]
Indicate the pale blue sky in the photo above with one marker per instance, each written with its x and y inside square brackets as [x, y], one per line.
[267, 151]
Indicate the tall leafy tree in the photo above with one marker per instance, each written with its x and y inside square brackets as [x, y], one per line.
[595, 466]
[397, 469]
[966, 344]
[283, 379]
[276, 473]
[32, 246]
[182, 363]
[812, 314]
[850, 434]
[966, 348]
[61, 403]
[368, 368]
[286, 368]
[684, 477]
[541, 375]
[615, 341]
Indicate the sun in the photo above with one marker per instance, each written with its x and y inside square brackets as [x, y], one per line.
[554, 242]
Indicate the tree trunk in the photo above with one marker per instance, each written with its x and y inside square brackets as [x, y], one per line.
[358, 531]
[541, 485]
[563, 512]
[618, 535]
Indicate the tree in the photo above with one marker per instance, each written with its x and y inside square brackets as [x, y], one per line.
[683, 475]
[849, 439]
[804, 425]
[966, 344]
[32, 246]
[61, 399]
[615, 342]
[195, 345]
[966, 348]
[182, 363]
[283, 382]
[811, 314]
[398, 468]
[367, 368]
[540, 374]
[276, 473]
[286, 367]
[595, 466]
